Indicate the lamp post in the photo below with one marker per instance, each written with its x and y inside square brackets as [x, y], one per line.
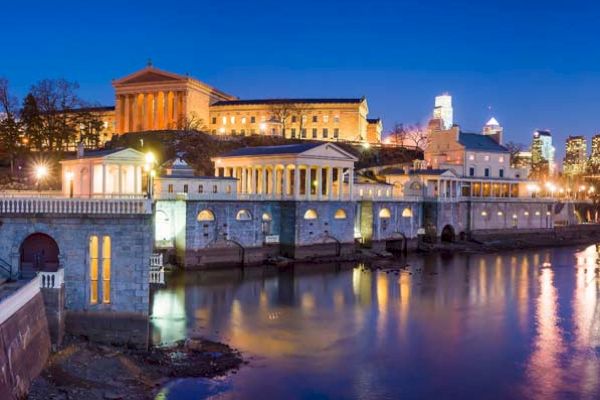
[150, 173]
[69, 176]
[41, 171]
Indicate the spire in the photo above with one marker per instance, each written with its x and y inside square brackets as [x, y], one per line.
[493, 122]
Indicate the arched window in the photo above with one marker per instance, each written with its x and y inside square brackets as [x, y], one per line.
[407, 212]
[206, 215]
[266, 217]
[310, 214]
[243, 215]
[415, 186]
[385, 213]
[340, 214]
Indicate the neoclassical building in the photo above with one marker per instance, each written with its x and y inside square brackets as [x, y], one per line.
[152, 99]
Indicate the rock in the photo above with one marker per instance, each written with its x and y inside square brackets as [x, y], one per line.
[193, 344]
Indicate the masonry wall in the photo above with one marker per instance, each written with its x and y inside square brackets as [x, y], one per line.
[24, 348]
[131, 247]
[399, 225]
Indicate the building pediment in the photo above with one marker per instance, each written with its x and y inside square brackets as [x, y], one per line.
[329, 151]
[150, 75]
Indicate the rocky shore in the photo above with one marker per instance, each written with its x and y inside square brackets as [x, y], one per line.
[84, 370]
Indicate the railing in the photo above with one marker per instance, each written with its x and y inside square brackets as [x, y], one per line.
[33, 205]
[7, 268]
[157, 271]
[52, 280]
[18, 299]
[156, 260]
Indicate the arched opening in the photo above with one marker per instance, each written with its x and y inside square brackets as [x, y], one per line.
[407, 212]
[243, 215]
[340, 214]
[266, 223]
[39, 252]
[310, 214]
[448, 234]
[385, 213]
[206, 215]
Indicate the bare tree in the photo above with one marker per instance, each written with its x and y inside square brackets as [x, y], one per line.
[191, 123]
[514, 149]
[10, 127]
[415, 136]
[396, 135]
[287, 113]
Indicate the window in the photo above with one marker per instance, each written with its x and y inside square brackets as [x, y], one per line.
[501, 173]
[471, 157]
[486, 158]
[185, 188]
[304, 133]
[214, 120]
[294, 119]
[170, 188]
[325, 133]
[293, 132]
[340, 214]
[266, 224]
[326, 118]
[252, 119]
[232, 119]
[205, 215]
[93, 269]
[243, 120]
[233, 132]
[106, 255]
[471, 171]
[336, 119]
[310, 214]
[315, 119]
[228, 190]
[314, 133]
[243, 215]
[407, 213]
[200, 188]
[215, 189]
[336, 133]
[304, 118]
[486, 172]
[385, 213]
[266, 217]
[224, 119]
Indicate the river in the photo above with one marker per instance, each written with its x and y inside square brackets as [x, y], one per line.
[522, 324]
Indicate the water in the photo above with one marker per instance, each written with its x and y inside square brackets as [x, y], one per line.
[517, 325]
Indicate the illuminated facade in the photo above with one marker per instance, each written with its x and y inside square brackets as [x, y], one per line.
[594, 161]
[494, 129]
[443, 111]
[575, 160]
[542, 153]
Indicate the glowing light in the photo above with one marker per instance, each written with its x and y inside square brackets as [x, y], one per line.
[581, 188]
[69, 176]
[366, 145]
[262, 126]
[41, 171]
[150, 159]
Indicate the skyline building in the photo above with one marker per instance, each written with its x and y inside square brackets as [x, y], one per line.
[443, 111]
[542, 152]
[494, 129]
[594, 160]
[575, 160]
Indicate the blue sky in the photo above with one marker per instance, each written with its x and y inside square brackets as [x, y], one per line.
[536, 64]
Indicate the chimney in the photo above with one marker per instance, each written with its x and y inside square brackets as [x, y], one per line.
[80, 150]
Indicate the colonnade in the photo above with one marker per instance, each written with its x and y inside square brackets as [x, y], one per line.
[149, 111]
[294, 182]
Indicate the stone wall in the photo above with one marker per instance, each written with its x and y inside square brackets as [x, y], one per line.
[131, 248]
[24, 348]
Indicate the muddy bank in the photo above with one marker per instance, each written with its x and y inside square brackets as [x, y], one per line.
[84, 370]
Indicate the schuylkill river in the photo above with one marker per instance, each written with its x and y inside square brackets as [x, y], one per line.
[522, 324]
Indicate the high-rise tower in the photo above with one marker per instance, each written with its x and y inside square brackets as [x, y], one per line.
[443, 111]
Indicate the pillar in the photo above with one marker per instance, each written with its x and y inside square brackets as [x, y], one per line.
[351, 182]
[253, 180]
[307, 182]
[329, 183]
[274, 180]
[263, 180]
[120, 180]
[296, 182]
[340, 183]
[126, 113]
[286, 181]
[176, 109]
[243, 178]
[103, 179]
[319, 182]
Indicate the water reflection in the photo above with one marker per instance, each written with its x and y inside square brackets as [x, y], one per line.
[520, 324]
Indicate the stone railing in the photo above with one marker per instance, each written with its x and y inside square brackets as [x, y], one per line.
[17, 299]
[156, 260]
[52, 280]
[157, 276]
[58, 205]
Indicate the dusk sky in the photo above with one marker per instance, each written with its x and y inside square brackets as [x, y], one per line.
[537, 64]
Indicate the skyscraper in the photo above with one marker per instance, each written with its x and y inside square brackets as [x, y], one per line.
[575, 159]
[542, 153]
[443, 111]
[493, 129]
[594, 161]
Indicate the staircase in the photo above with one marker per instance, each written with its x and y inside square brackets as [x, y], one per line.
[5, 271]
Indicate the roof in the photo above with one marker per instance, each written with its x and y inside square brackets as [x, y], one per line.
[476, 141]
[400, 171]
[194, 177]
[493, 122]
[540, 132]
[373, 120]
[95, 153]
[272, 150]
[91, 109]
[286, 101]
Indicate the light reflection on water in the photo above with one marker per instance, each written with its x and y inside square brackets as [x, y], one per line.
[517, 325]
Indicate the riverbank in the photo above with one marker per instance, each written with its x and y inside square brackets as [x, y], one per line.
[84, 370]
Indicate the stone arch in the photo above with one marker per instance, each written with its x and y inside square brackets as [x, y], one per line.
[340, 214]
[38, 252]
[206, 215]
[243, 215]
[385, 213]
[448, 234]
[311, 214]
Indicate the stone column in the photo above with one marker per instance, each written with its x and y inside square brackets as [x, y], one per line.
[329, 183]
[103, 179]
[176, 109]
[244, 186]
[120, 180]
[274, 181]
[351, 183]
[253, 180]
[340, 183]
[296, 182]
[319, 182]
[119, 112]
[263, 180]
[307, 182]
[126, 114]
[286, 181]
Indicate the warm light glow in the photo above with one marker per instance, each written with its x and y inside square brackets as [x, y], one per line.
[41, 171]
[366, 145]
[69, 176]
[581, 188]
[262, 126]
[150, 159]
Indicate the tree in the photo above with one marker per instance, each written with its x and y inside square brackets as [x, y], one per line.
[10, 129]
[287, 112]
[414, 136]
[32, 124]
[191, 123]
[514, 149]
[396, 135]
[56, 99]
[90, 127]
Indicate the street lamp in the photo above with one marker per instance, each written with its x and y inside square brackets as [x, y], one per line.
[69, 176]
[41, 172]
[149, 168]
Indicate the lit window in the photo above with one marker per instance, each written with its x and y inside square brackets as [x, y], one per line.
[170, 188]
[407, 212]
[224, 120]
[336, 118]
[310, 214]
[314, 133]
[294, 119]
[326, 118]
[266, 217]
[213, 120]
[232, 119]
[252, 120]
[304, 118]
[206, 215]
[515, 216]
[325, 133]
[200, 188]
[537, 213]
[500, 213]
[340, 214]
[106, 255]
[501, 159]
[228, 190]
[471, 157]
[336, 132]
[486, 158]
[548, 213]
[243, 215]
[361, 192]
[526, 213]
[243, 120]
[385, 213]
[484, 213]
[93, 269]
